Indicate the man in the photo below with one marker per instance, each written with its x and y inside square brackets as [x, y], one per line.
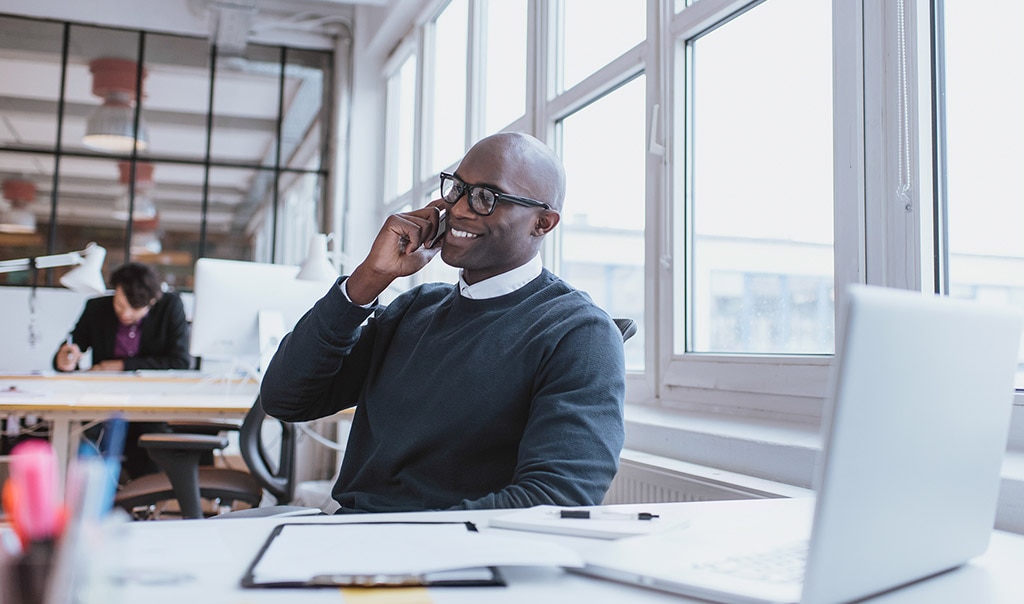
[139, 327]
[136, 328]
[504, 390]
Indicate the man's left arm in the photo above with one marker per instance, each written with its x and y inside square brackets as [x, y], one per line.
[171, 338]
[570, 448]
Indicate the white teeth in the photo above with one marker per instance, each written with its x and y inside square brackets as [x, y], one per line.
[458, 233]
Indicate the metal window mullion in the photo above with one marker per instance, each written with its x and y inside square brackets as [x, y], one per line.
[51, 236]
[205, 202]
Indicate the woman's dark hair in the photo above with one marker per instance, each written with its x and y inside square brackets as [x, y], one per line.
[140, 284]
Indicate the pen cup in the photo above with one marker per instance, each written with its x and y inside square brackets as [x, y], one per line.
[31, 573]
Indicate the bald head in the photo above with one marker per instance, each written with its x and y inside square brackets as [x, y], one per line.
[530, 166]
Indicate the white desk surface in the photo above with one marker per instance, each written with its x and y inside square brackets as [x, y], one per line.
[203, 561]
[66, 399]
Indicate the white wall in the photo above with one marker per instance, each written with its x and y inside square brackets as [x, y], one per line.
[56, 312]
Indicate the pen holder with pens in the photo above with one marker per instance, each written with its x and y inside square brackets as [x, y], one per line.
[43, 554]
[29, 573]
[36, 517]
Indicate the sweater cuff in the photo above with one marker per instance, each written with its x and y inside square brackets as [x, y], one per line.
[345, 315]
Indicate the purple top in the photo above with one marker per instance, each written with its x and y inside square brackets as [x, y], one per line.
[126, 342]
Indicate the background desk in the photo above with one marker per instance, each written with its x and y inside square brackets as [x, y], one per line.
[203, 560]
[69, 401]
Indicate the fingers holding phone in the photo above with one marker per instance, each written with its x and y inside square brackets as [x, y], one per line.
[404, 245]
[441, 229]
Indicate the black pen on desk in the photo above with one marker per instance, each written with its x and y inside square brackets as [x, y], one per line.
[606, 515]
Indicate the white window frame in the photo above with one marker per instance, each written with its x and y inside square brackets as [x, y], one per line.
[882, 141]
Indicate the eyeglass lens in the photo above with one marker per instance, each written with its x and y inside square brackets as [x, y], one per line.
[481, 200]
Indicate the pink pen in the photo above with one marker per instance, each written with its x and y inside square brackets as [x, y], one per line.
[34, 471]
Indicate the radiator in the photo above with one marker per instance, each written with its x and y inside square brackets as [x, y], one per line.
[644, 478]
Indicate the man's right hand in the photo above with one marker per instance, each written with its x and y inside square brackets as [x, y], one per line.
[397, 251]
[68, 357]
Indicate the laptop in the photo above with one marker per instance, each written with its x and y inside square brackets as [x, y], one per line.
[915, 428]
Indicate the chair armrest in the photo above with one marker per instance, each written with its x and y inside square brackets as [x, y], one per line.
[201, 427]
[183, 442]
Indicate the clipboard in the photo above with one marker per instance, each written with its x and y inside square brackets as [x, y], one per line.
[370, 554]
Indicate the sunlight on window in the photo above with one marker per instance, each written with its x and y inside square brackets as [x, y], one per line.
[597, 31]
[602, 225]
[505, 66]
[984, 151]
[401, 117]
[449, 99]
[761, 255]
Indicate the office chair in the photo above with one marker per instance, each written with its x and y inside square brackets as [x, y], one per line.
[627, 327]
[185, 480]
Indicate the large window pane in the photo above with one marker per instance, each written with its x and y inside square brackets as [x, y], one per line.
[984, 152]
[401, 114]
[505, 66]
[449, 99]
[246, 103]
[602, 225]
[27, 181]
[176, 95]
[594, 32]
[761, 254]
[29, 104]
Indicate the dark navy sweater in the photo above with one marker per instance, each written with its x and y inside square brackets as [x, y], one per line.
[504, 402]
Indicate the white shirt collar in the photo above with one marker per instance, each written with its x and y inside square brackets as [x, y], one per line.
[502, 284]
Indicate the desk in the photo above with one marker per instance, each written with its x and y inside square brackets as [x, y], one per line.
[203, 560]
[68, 400]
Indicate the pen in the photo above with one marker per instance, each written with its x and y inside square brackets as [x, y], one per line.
[34, 473]
[606, 514]
[68, 341]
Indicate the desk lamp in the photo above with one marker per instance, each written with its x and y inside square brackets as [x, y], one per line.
[316, 266]
[85, 278]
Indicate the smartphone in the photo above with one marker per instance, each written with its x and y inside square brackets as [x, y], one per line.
[442, 228]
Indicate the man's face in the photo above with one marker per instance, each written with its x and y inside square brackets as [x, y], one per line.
[124, 311]
[485, 246]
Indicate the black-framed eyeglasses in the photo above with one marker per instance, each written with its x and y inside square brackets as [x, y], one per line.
[481, 199]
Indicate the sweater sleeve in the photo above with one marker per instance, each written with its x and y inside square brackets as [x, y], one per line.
[570, 449]
[319, 367]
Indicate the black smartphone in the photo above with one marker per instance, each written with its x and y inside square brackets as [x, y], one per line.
[442, 228]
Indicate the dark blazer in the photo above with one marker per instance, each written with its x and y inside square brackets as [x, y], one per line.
[164, 334]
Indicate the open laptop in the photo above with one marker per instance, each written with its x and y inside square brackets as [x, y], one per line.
[915, 429]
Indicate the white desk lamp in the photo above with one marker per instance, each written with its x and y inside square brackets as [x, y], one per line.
[85, 278]
[316, 266]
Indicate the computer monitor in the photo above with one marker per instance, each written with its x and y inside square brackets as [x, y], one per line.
[243, 309]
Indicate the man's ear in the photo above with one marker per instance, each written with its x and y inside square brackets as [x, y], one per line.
[546, 220]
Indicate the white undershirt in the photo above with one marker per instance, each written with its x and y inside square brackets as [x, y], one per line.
[492, 287]
[502, 284]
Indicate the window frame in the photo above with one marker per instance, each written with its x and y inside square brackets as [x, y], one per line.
[876, 129]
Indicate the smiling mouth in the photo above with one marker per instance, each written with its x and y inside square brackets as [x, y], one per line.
[461, 234]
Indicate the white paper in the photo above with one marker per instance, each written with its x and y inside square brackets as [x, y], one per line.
[302, 551]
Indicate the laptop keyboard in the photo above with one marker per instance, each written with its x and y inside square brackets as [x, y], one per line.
[784, 564]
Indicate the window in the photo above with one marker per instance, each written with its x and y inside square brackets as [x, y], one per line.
[401, 115]
[749, 167]
[450, 38]
[982, 150]
[226, 145]
[595, 32]
[759, 263]
[602, 226]
[504, 74]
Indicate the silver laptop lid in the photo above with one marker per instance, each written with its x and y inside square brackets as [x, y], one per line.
[909, 477]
